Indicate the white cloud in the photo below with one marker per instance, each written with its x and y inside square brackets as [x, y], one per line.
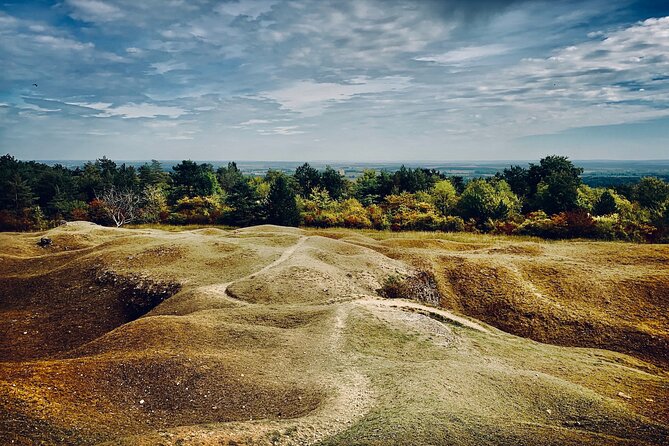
[94, 10]
[312, 98]
[166, 67]
[132, 110]
[62, 43]
[250, 8]
[282, 130]
[466, 54]
[253, 122]
[39, 109]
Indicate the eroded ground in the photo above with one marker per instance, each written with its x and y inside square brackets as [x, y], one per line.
[273, 335]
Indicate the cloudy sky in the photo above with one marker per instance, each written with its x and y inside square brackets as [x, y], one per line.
[367, 80]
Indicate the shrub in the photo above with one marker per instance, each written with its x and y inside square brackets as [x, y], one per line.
[154, 207]
[616, 227]
[197, 210]
[354, 215]
[406, 212]
[97, 213]
[538, 224]
[452, 224]
[11, 221]
[377, 217]
[506, 227]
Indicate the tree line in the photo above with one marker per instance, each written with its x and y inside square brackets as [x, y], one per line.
[546, 199]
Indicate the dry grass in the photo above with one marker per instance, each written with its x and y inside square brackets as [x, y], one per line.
[277, 336]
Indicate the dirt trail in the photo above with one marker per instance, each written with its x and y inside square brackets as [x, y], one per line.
[221, 289]
[429, 311]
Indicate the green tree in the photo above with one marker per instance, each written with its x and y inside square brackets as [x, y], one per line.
[606, 204]
[652, 193]
[18, 194]
[281, 205]
[553, 184]
[483, 200]
[444, 196]
[153, 175]
[386, 184]
[333, 182]
[307, 178]
[108, 170]
[90, 181]
[126, 178]
[228, 176]
[366, 187]
[518, 179]
[192, 179]
[245, 206]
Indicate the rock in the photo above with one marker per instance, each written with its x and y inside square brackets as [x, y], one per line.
[44, 242]
[624, 395]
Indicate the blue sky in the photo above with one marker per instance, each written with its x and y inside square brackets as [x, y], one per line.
[367, 80]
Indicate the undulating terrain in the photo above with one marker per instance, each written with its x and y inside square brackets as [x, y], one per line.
[271, 335]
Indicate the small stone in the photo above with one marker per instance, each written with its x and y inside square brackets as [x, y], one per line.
[549, 412]
[141, 401]
[624, 395]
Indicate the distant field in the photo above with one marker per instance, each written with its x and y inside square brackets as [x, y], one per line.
[272, 335]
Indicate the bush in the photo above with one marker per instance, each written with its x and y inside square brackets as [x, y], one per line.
[407, 212]
[354, 215]
[538, 224]
[11, 221]
[26, 219]
[452, 224]
[616, 227]
[97, 213]
[197, 210]
[154, 207]
[378, 217]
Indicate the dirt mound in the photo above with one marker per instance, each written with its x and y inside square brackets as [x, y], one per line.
[563, 303]
[273, 335]
[319, 271]
[585, 294]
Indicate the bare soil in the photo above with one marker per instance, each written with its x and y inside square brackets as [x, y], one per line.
[271, 335]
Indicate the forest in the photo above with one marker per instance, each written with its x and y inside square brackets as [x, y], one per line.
[547, 199]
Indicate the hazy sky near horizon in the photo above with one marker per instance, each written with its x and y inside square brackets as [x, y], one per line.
[363, 80]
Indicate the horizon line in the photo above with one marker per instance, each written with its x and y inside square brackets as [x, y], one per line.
[345, 160]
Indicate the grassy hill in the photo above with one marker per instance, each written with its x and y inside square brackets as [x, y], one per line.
[271, 335]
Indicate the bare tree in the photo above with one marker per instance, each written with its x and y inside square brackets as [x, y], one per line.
[121, 206]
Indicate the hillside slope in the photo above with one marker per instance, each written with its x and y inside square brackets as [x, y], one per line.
[272, 335]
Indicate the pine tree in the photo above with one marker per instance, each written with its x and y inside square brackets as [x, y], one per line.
[18, 193]
[245, 203]
[282, 208]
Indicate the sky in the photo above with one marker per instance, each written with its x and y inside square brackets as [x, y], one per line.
[363, 80]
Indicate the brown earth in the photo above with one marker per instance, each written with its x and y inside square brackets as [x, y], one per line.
[271, 335]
